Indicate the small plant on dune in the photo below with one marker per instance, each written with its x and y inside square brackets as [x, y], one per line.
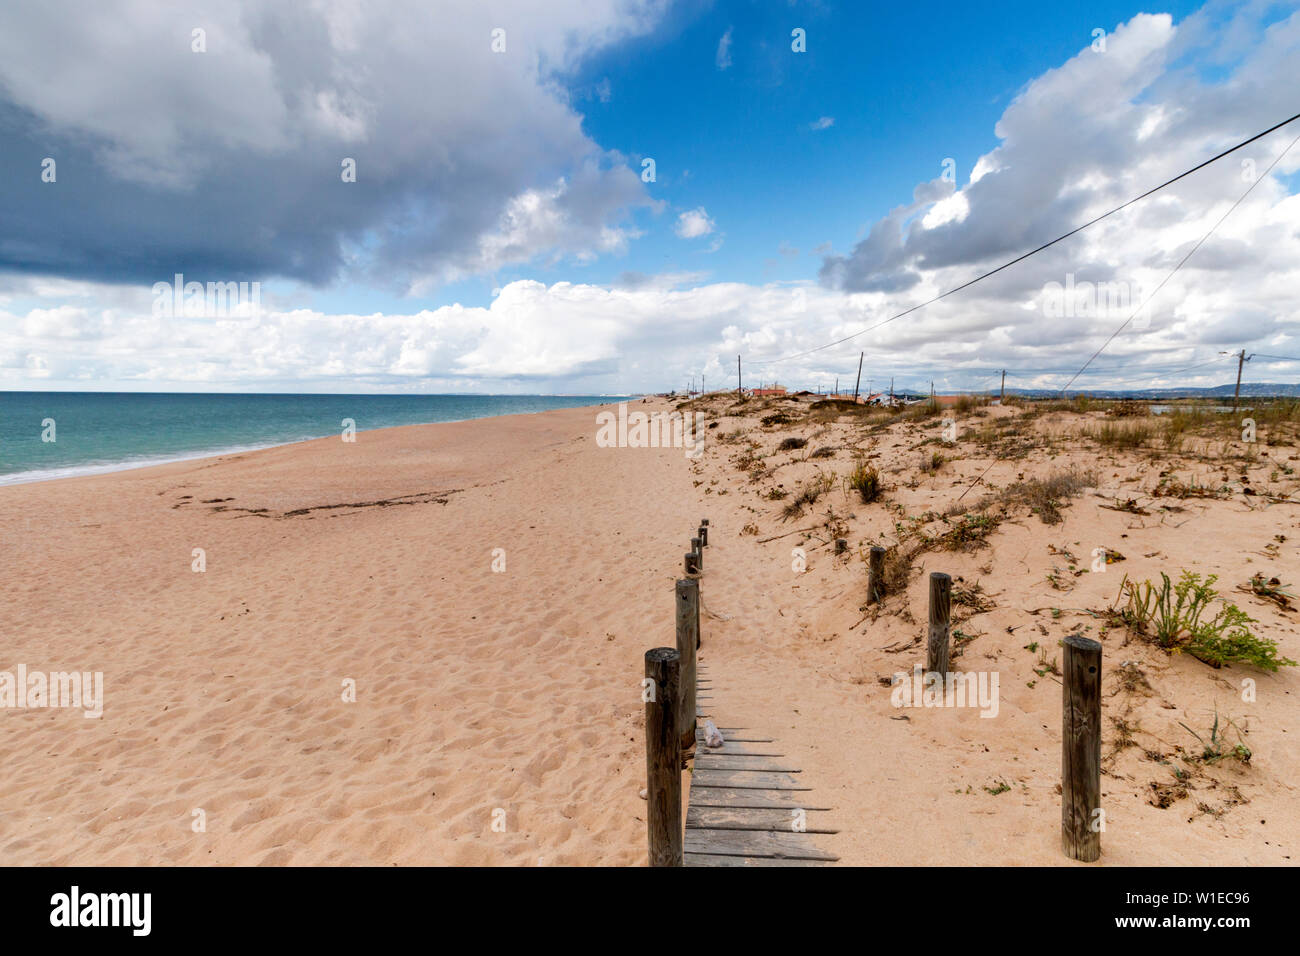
[865, 480]
[1177, 616]
[776, 418]
[1271, 588]
[807, 495]
[969, 532]
[932, 463]
[1212, 750]
[792, 444]
[826, 451]
[1122, 437]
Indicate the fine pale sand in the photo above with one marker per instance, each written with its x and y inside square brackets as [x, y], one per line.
[514, 696]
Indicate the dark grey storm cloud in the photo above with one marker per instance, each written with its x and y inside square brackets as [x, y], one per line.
[226, 164]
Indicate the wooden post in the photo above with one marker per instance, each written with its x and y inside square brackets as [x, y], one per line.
[876, 576]
[663, 757]
[704, 535]
[699, 632]
[937, 651]
[861, 356]
[692, 563]
[1002, 396]
[688, 642]
[1081, 749]
[699, 553]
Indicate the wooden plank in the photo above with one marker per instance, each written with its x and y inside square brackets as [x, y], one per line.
[755, 843]
[754, 799]
[713, 760]
[747, 780]
[739, 739]
[737, 748]
[749, 818]
[711, 859]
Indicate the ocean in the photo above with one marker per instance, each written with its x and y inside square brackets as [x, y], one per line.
[107, 431]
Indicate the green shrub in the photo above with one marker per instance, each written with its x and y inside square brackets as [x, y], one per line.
[865, 480]
[1178, 617]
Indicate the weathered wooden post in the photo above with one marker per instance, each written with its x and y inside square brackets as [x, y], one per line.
[663, 756]
[1081, 817]
[699, 553]
[699, 632]
[692, 562]
[688, 641]
[704, 534]
[876, 576]
[937, 651]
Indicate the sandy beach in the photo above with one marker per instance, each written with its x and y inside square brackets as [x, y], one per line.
[512, 696]
[325, 561]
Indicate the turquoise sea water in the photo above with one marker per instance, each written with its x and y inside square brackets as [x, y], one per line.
[106, 431]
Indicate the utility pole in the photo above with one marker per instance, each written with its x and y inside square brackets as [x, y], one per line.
[837, 386]
[740, 390]
[891, 391]
[1241, 360]
[859, 381]
[1002, 399]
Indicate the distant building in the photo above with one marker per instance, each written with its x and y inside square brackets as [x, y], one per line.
[768, 392]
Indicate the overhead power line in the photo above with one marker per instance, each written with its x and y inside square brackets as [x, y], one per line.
[1183, 261]
[1035, 251]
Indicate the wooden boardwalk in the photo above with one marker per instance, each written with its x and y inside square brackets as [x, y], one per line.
[747, 801]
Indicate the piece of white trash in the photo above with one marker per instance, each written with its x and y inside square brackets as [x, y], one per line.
[712, 735]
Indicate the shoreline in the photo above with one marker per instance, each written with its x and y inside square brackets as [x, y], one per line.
[91, 469]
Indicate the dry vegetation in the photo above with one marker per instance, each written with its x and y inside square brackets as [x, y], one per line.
[894, 478]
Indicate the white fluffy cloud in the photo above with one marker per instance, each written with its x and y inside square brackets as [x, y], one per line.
[694, 223]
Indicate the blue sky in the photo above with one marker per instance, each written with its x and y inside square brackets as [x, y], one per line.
[907, 85]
